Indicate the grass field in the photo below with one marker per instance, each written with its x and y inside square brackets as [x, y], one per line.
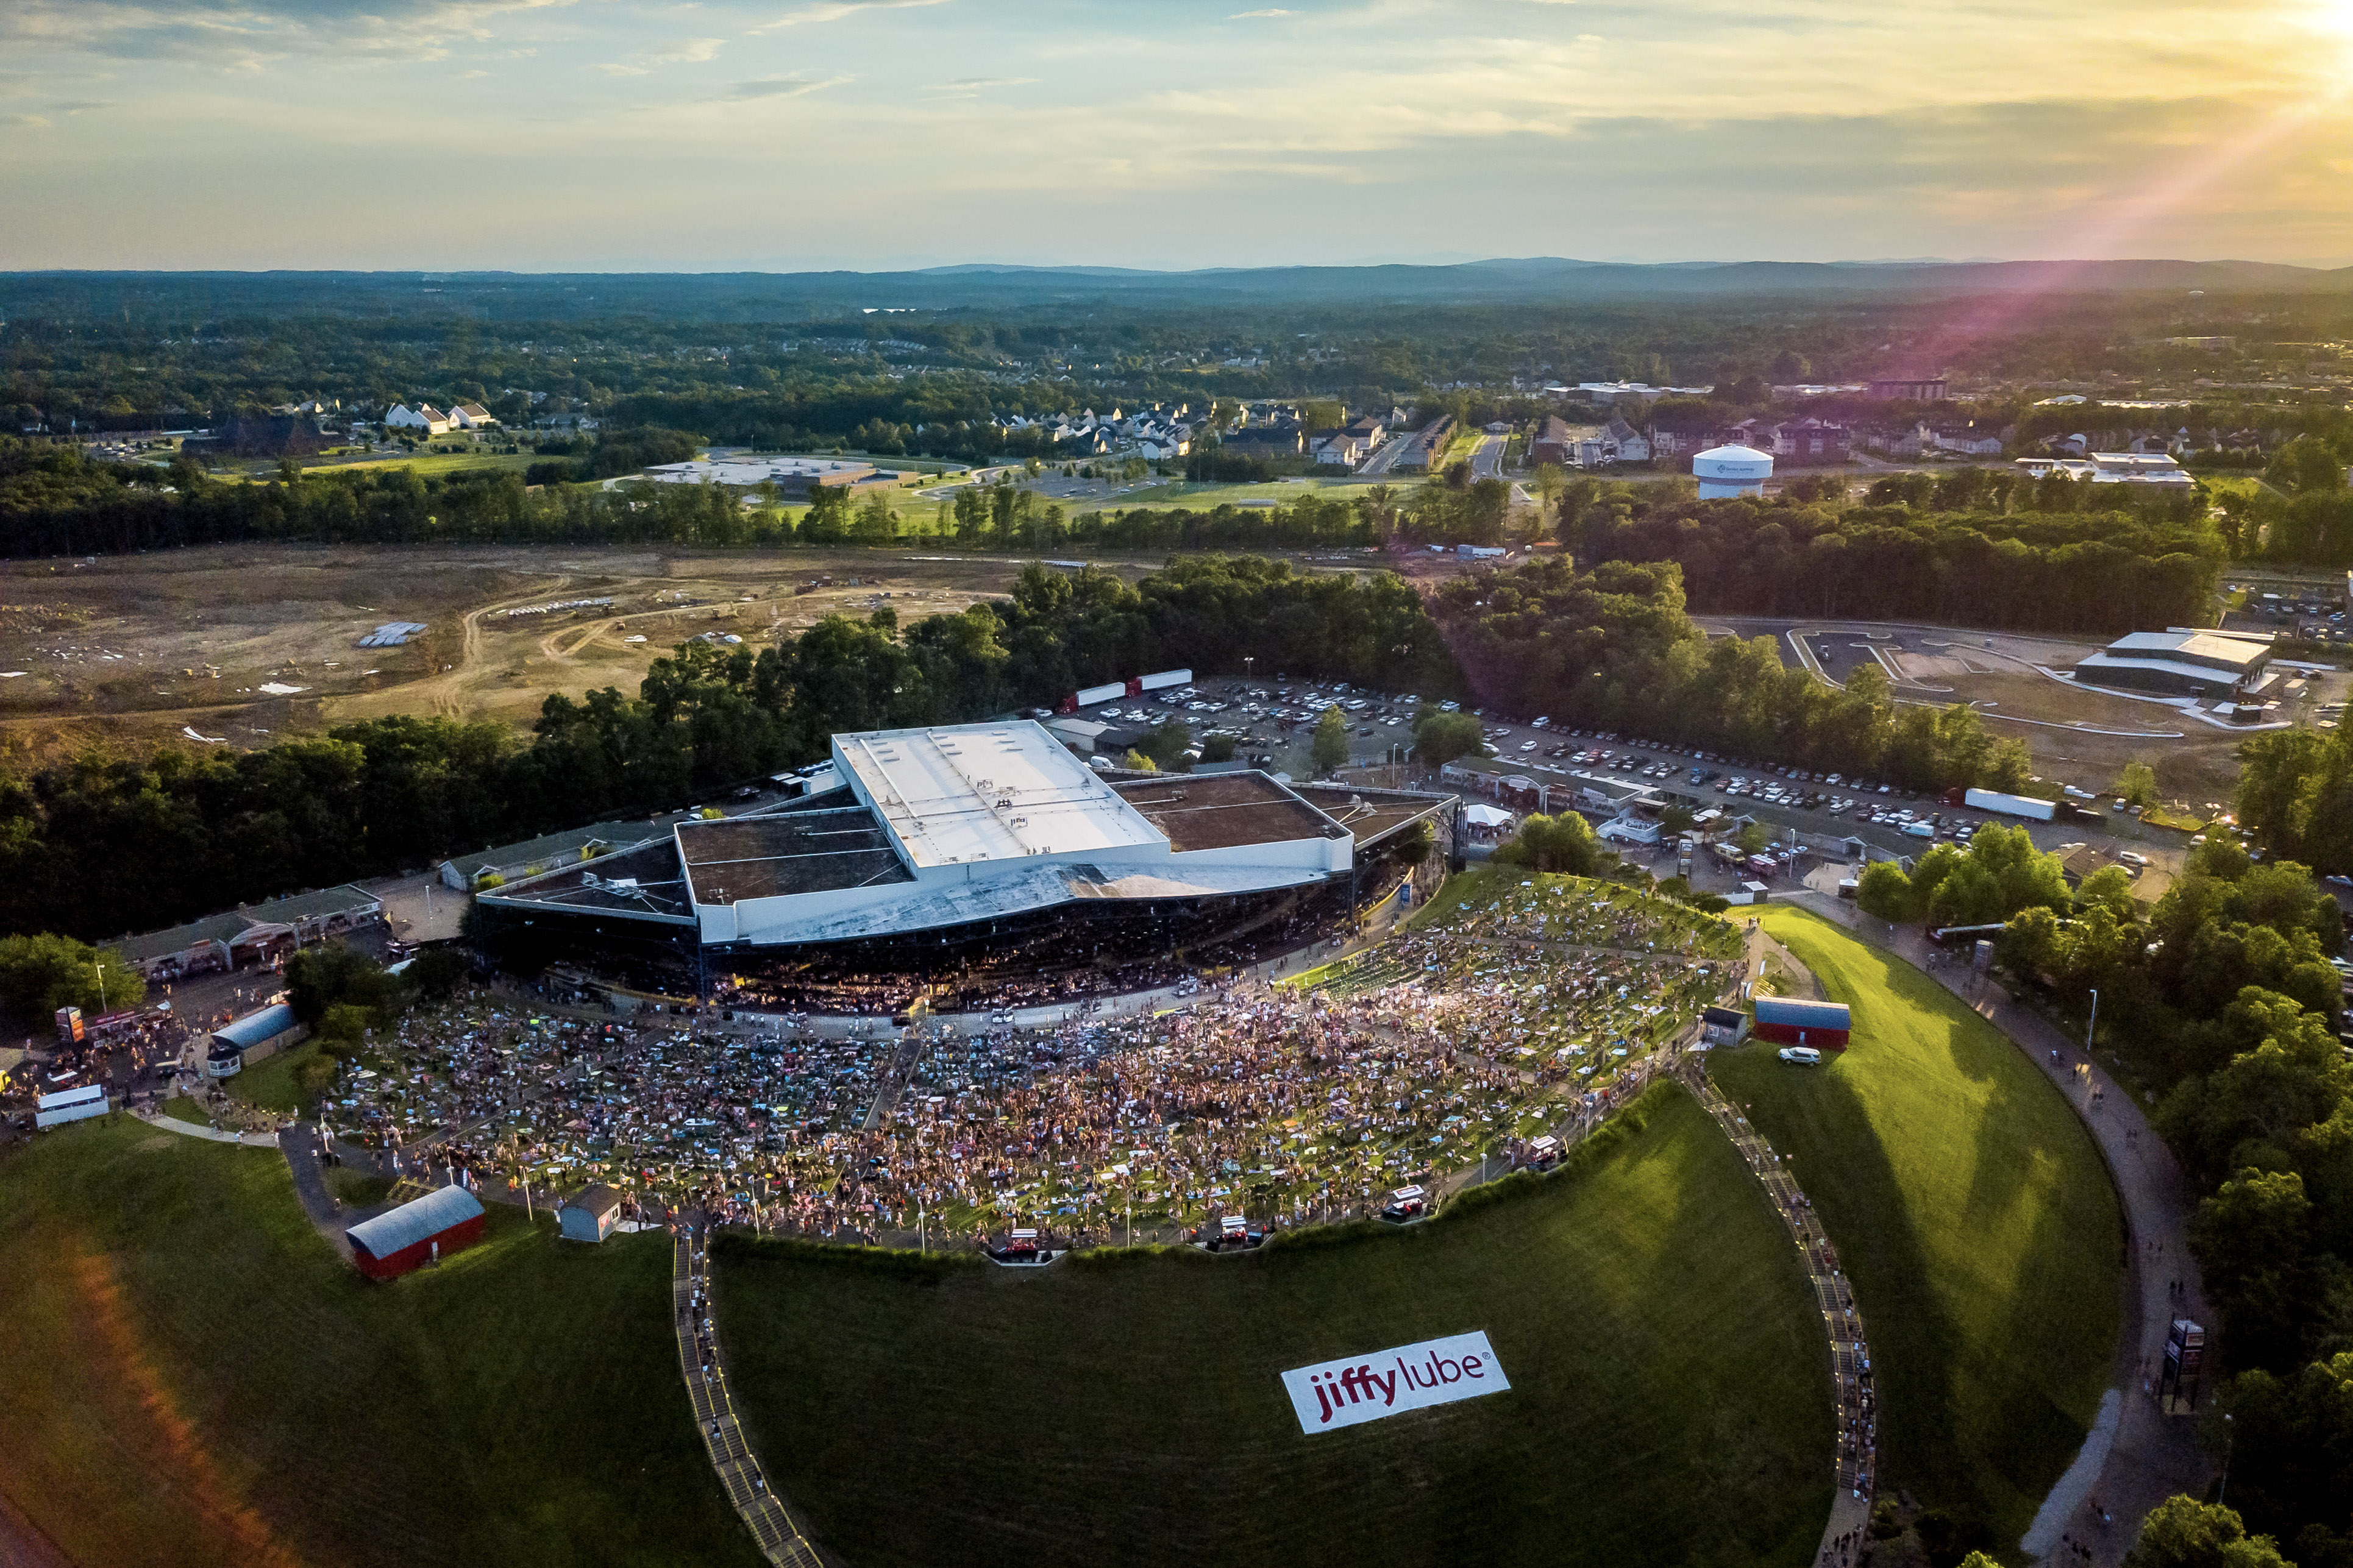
[269, 1084]
[1974, 1216]
[192, 1378]
[1669, 1399]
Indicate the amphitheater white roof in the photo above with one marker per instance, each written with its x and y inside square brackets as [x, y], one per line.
[968, 792]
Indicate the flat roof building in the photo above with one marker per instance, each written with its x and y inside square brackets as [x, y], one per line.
[2182, 661]
[958, 827]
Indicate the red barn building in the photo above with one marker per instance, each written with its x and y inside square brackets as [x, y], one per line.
[415, 1234]
[1786, 1021]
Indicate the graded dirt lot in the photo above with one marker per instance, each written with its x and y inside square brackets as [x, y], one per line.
[2077, 735]
[125, 653]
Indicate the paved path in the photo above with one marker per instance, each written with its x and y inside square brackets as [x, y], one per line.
[209, 1134]
[1858, 1401]
[2134, 1459]
[771, 1523]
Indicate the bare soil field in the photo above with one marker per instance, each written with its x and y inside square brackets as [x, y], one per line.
[123, 654]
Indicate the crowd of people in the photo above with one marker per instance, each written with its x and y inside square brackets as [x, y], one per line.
[1535, 1008]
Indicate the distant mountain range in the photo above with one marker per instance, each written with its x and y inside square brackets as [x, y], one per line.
[786, 295]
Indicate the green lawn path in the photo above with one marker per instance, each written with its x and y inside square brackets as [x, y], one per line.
[1974, 1215]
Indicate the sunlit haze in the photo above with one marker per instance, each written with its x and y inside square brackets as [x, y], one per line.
[733, 134]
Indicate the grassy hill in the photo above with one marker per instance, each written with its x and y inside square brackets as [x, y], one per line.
[192, 1377]
[1974, 1216]
[1669, 1398]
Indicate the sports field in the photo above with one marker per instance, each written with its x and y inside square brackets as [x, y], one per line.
[1669, 1398]
[1974, 1216]
[192, 1378]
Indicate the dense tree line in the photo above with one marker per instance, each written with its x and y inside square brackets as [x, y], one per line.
[2295, 794]
[2099, 572]
[89, 848]
[1612, 649]
[2222, 1003]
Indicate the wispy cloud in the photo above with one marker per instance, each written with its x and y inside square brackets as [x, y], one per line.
[31, 122]
[689, 52]
[612, 68]
[965, 85]
[835, 10]
[1245, 16]
[783, 87]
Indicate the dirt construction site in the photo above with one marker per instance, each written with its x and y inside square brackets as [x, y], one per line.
[235, 646]
[2078, 735]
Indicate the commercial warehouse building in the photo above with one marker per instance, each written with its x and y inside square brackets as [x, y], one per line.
[2182, 661]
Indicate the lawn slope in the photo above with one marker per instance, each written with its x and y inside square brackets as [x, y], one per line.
[1669, 1398]
[192, 1377]
[1972, 1212]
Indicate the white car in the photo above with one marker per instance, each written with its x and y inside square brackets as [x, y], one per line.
[1802, 1055]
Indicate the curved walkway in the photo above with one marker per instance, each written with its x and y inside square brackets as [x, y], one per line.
[772, 1524]
[2135, 1456]
[1858, 1402]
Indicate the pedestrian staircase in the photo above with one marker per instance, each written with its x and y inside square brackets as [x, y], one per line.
[779, 1534]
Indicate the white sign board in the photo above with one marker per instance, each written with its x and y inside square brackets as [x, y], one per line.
[1335, 1394]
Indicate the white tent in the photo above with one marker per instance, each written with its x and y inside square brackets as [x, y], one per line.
[1485, 816]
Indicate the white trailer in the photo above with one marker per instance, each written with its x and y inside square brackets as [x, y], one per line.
[70, 1105]
[2011, 805]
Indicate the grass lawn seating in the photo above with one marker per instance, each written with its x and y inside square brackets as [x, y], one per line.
[1973, 1215]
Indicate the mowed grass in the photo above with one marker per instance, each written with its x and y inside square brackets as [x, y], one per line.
[1669, 1396]
[1974, 1216]
[270, 1082]
[192, 1377]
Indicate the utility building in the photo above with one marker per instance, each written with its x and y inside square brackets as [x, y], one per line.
[1790, 1021]
[392, 1243]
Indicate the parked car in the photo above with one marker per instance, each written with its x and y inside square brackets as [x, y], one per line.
[1800, 1056]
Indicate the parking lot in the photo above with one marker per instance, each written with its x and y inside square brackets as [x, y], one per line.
[1272, 724]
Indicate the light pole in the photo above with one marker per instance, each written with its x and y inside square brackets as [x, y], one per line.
[2223, 1493]
[2092, 1029]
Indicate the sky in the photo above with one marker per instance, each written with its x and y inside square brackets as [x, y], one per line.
[793, 134]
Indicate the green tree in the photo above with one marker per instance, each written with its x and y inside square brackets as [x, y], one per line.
[1565, 843]
[39, 974]
[1884, 892]
[1218, 749]
[2182, 1532]
[2291, 1456]
[1166, 745]
[1440, 737]
[332, 975]
[2255, 1239]
[1330, 748]
[2137, 785]
[877, 523]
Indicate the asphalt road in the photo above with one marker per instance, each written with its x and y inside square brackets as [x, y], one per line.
[1487, 462]
[1380, 462]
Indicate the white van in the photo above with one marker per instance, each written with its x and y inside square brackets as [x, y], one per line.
[1802, 1056]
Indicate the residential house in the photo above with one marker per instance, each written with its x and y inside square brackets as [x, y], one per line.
[1552, 443]
[1266, 441]
[1338, 449]
[424, 417]
[1622, 443]
[471, 416]
[1965, 441]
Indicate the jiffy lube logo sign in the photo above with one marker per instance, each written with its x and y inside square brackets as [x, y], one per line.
[1336, 1394]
